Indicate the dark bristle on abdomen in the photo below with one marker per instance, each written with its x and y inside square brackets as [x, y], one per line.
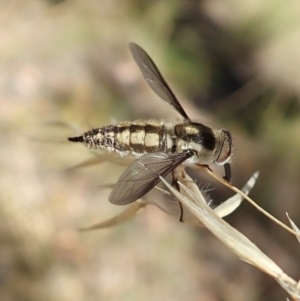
[76, 139]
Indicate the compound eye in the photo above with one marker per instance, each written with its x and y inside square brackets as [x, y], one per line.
[225, 152]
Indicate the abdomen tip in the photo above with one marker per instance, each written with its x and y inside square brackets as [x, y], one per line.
[76, 139]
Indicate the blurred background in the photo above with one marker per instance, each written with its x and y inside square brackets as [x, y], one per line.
[66, 67]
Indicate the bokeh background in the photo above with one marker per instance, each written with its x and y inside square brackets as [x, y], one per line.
[66, 67]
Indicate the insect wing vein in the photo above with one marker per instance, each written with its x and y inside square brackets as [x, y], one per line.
[143, 174]
[154, 78]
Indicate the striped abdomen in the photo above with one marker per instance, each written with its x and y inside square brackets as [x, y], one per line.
[135, 137]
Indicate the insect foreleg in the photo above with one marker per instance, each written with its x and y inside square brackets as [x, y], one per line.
[227, 176]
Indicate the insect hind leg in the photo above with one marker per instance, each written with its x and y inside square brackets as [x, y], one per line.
[176, 186]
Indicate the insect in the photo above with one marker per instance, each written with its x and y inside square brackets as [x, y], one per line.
[159, 147]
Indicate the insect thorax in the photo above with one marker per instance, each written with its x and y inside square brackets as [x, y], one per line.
[199, 138]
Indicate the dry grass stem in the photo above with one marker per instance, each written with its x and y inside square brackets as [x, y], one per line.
[236, 241]
[235, 189]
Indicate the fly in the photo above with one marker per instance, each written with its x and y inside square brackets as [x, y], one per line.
[158, 146]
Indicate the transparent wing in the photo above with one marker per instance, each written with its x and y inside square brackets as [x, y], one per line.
[154, 78]
[143, 174]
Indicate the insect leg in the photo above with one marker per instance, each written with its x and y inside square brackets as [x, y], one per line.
[176, 186]
[227, 176]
